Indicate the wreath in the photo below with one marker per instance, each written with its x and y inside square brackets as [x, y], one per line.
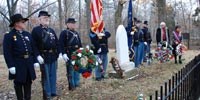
[85, 68]
[163, 53]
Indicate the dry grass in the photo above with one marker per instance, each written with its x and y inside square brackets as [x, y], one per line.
[109, 89]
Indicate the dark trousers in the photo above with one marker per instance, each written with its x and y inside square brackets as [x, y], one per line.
[43, 77]
[23, 90]
[72, 76]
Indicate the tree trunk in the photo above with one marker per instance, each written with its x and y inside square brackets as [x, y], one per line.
[29, 12]
[170, 21]
[88, 14]
[118, 14]
[60, 14]
[161, 4]
[65, 8]
[88, 17]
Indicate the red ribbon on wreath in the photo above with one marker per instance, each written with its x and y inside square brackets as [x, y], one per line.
[86, 74]
[90, 61]
[74, 57]
[76, 68]
[79, 51]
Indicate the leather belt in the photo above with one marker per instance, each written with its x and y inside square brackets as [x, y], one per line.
[74, 46]
[49, 51]
[24, 56]
[103, 44]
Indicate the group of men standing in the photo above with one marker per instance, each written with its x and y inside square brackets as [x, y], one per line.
[23, 52]
[139, 41]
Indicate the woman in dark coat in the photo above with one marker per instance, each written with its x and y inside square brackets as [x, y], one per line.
[177, 40]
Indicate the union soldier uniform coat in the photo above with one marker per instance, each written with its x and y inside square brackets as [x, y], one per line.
[19, 48]
[147, 34]
[69, 42]
[47, 43]
[100, 43]
[138, 36]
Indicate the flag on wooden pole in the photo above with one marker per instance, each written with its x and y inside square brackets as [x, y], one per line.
[97, 23]
[130, 23]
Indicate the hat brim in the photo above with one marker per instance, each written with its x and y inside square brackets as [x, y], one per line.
[137, 22]
[71, 22]
[13, 23]
[45, 15]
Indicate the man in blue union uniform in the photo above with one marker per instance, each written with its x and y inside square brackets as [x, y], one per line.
[138, 43]
[48, 50]
[100, 43]
[70, 42]
[19, 49]
[148, 40]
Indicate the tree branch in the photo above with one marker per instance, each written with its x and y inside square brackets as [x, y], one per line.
[14, 5]
[4, 15]
[8, 5]
[40, 8]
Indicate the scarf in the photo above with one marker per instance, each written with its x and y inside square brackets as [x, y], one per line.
[177, 36]
[164, 34]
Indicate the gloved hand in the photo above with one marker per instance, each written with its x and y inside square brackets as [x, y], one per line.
[40, 59]
[65, 57]
[60, 56]
[166, 44]
[101, 34]
[12, 70]
[99, 50]
[145, 43]
[36, 65]
[132, 33]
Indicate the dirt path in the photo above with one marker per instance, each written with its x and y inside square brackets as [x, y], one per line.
[110, 89]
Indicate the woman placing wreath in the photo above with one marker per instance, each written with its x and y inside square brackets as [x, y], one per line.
[177, 41]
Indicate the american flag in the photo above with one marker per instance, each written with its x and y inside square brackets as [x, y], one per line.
[97, 23]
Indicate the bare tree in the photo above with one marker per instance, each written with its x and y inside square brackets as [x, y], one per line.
[161, 4]
[60, 14]
[70, 8]
[88, 15]
[12, 5]
[118, 13]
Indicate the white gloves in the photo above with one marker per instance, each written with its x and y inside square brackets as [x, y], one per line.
[145, 43]
[101, 34]
[12, 70]
[99, 60]
[36, 65]
[65, 57]
[60, 56]
[99, 50]
[40, 59]
[132, 33]
[166, 44]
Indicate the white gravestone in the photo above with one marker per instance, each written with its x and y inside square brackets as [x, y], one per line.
[122, 49]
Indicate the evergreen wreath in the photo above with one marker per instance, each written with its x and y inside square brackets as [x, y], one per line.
[86, 54]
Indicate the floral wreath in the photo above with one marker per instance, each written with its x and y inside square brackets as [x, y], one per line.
[76, 57]
[163, 53]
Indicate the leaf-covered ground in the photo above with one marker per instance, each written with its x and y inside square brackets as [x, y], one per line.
[149, 80]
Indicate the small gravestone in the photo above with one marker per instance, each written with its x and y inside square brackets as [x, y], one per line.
[123, 53]
[186, 36]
